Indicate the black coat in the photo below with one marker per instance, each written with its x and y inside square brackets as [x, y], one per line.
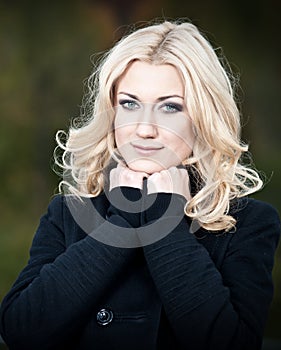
[184, 291]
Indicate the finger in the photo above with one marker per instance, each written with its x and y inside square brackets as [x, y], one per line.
[181, 170]
[154, 176]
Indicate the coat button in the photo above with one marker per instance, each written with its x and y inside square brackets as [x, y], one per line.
[104, 317]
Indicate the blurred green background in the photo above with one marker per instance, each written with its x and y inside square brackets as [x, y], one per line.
[46, 50]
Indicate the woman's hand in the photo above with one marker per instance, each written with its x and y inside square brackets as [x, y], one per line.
[172, 180]
[123, 176]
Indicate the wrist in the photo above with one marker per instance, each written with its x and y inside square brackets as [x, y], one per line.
[163, 205]
[125, 202]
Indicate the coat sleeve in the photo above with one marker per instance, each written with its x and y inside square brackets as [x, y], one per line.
[57, 291]
[211, 308]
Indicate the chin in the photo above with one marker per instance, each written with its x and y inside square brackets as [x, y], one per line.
[147, 166]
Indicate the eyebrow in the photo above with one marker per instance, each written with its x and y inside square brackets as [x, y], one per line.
[159, 99]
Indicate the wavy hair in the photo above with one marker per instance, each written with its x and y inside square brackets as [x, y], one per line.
[209, 96]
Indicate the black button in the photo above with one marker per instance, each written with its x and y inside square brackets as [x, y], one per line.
[104, 317]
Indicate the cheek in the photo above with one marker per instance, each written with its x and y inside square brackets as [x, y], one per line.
[122, 135]
[180, 137]
[181, 147]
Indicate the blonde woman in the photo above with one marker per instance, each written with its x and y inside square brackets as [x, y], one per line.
[154, 242]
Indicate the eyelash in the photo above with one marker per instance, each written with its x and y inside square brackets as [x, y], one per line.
[175, 106]
[124, 104]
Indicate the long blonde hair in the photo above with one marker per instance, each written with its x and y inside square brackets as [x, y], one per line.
[210, 101]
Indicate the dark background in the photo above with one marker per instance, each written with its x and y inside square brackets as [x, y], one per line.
[45, 55]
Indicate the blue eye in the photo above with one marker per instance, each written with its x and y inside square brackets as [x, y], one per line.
[130, 105]
[170, 107]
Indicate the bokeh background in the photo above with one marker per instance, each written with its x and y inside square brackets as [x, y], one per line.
[45, 56]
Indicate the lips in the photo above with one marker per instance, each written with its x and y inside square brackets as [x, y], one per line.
[147, 149]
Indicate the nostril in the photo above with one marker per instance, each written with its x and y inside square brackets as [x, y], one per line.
[146, 130]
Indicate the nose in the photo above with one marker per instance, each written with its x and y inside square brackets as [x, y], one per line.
[146, 130]
[146, 126]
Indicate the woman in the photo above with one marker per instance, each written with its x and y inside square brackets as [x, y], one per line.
[157, 245]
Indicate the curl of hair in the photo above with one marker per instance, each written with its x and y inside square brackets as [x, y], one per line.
[210, 100]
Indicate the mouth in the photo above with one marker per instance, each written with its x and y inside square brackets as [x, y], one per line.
[147, 149]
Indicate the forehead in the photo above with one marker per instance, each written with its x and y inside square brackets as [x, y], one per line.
[149, 80]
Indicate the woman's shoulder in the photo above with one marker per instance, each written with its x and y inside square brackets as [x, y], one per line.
[255, 219]
[247, 209]
[65, 202]
[71, 210]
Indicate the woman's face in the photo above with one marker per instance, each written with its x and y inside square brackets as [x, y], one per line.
[153, 131]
